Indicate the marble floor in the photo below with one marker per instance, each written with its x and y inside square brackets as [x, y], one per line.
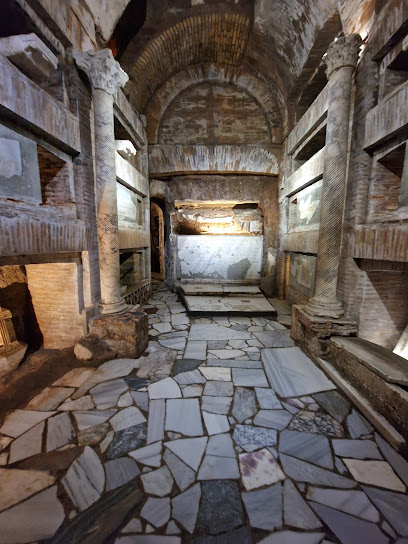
[222, 432]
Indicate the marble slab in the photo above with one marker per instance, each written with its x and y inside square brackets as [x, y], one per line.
[28, 444]
[377, 473]
[306, 472]
[351, 502]
[196, 349]
[183, 475]
[218, 468]
[119, 472]
[199, 331]
[128, 417]
[16, 485]
[183, 416]
[158, 482]
[20, 421]
[237, 304]
[292, 374]
[189, 450]
[264, 507]
[311, 447]
[156, 512]
[297, 513]
[155, 422]
[215, 423]
[185, 507]
[218, 257]
[251, 438]
[258, 469]
[148, 455]
[249, 377]
[59, 431]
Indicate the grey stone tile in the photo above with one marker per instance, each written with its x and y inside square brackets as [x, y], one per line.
[292, 537]
[75, 377]
[183, 416]
[135, 383]
[264, 507]
[216, 405]
[42, 514]
[214, 373]
[17, 485]
[334, 403]
[185, 507]
[249, 377]
[220, 508]
[244, 404]
[155, 422]
[221, 445]
[218, 389]
[227, 353]
[196, 349]
[28, 444]
[310, 447]
[20, 421]
[134, 526]
[251, 438]
[127, 440]
[183, 474]
[177, 343]
[358, 449]
[84, 403]
[148, 455]
[348, 529]
[237, 536]
[141, 399]
[106, 394]
[59, 431]
[305, 472]
[259, 469]
[85, 479]
[398, 463]
[240, 363]
[351, 502]
[191, 391]
[164, 389]
[274, 419]
[215, 423]
[297, 512]
[393, 506]
[158, 482]
[216, 332]
[156, 512]
[110, 370]
[172, 528]
[292, 374]
[275, 339]
[50, 398]
[218, 468]
[267, 399]
[357, 425]
[185, 365]
[190, 377]
[90, 418]
[128, 417]
[119, 472]
[189, 450]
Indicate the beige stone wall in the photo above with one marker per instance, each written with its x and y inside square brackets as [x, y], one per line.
[56, 293]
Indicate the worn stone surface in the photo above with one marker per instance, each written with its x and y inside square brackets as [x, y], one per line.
[220, 508]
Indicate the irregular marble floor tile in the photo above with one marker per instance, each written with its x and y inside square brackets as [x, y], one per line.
[84, 403]
[305, 472]
[186, 365]
[85, 479]
[75, 377]
[155, 423]
[351, 502]
[220, 507]
[158, 482]
[216, 405]
[316, 423]
[252, 438]
[221, 445]
[297, 512]
[28, 444]
[119, 472]
[227, 353]
[264, 507]
[148, 455]
[42, 514]
[244, 404]
[189, 450]
[183, 416]
[59, 431]
[215, 423]
[185, 507]
[292, 374]
[218, 468]
[357, 449]
[357, 425]
[16, 485]
[164, 389]
[191, 377]
[217, 374]
[216, 332]
[20, 421]
[128, 417]
[106, 394]
[314, 448]
[267, 399]
[218, 389]
[249, 377]
[377, 473]
[258, 469]
[91, 418]
[348, 529]
[50, 398]
[273, 419]
[110, 370]
[134, 526]
[334, 403]
[393, 506]
[183, 474]
[292, 537]
[191, 391]
[398, 463]
[157, 512]
[127, 440]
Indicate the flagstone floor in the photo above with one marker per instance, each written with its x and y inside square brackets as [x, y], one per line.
[231, 432]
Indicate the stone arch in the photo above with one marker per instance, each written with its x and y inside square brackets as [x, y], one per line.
[270, 100]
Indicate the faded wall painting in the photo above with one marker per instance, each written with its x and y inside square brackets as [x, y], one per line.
[302, 273]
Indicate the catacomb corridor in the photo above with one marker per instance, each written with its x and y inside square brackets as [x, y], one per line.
[203, 272]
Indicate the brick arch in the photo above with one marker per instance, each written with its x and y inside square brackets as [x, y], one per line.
[270, 100]
[208, 37]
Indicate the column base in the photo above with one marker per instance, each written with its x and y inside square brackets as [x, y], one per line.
[113, 307]
[324, 307]
[125, 333]
[313, 333]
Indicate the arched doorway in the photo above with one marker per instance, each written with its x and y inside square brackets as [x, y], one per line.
[157, 241]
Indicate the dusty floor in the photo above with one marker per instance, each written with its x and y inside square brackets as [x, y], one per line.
[232, 434]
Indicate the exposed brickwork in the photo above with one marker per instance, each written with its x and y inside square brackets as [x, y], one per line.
[203, 38]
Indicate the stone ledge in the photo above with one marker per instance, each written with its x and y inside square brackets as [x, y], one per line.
[389, 399]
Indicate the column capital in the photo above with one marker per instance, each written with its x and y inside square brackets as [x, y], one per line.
[343, 51]
[103, 70]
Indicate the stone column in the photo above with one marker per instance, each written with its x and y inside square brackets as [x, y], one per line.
[106, 76]
[341, 60]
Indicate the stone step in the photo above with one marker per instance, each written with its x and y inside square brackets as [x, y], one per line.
[389, 366]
